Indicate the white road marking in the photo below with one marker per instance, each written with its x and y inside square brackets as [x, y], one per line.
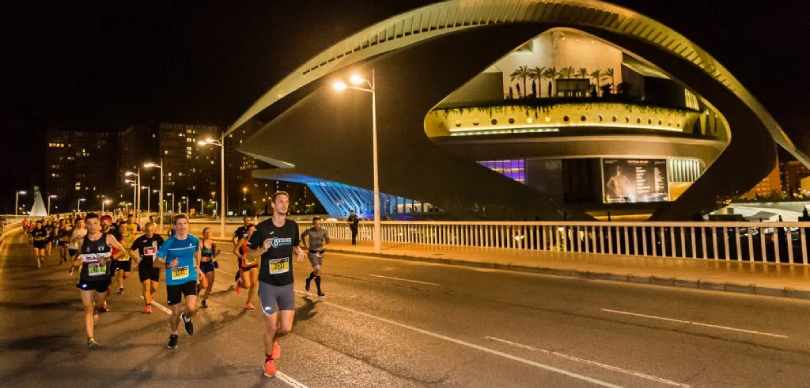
[281, 376]
[471, 345]
[403, 280]
[696, 323]
[594, 363]
[226, 272]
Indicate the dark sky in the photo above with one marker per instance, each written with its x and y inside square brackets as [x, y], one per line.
[103, 65]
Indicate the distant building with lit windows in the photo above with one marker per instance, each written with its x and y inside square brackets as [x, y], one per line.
[79, 165]
[189, 169]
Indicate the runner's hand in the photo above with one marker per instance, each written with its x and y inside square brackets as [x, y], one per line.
[301, 255]
[266, 244]
[174, 263]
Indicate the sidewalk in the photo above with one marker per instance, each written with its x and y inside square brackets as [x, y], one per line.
[753, 278]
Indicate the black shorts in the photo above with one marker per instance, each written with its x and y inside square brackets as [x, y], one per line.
[125, 266]
[99, 286]
[207, 266]
[40, 244]
[72, 252]
[176, 292]
[148, 272]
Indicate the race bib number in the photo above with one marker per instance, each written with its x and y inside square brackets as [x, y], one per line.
[149, 251]
[96, 269]
[278, 266]
[251, 262]
[179, 273]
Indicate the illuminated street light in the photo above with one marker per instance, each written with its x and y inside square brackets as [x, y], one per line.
[17, 201]
[160, 200]
[221, 144]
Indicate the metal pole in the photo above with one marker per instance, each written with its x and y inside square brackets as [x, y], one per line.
[17, 204]
[377, 237]
[161, 195]
[172, 203]
[222, 199]
[138, 209]
[149, 201]
[49, 204]
[78, 206]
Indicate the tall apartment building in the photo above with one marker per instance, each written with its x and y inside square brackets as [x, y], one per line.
[189, 170]
[136, 145]
[793, 172]
[770, 187]
[79, 165]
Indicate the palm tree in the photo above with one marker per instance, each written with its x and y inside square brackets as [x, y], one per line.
[536, 74]
[551, 74]
[583, 73]
[609, 74]
[597, 75]
[522, 73]
[567, 72]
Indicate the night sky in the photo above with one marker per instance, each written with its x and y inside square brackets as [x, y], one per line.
[102, 66]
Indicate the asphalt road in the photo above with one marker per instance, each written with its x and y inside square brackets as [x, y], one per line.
[391, 323]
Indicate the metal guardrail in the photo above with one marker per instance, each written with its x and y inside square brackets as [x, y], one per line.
[776, 242]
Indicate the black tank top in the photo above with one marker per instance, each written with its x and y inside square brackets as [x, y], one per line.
[208, 252]
[92, 269]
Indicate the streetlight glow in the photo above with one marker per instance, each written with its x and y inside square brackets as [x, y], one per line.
[130, 173]
[356, 79]
[340, 86]
[23, 192]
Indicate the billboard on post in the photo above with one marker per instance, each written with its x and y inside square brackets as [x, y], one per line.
[634, 180]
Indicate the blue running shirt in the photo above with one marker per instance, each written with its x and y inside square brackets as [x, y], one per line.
[185, 250]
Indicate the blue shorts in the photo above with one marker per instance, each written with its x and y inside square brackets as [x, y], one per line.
[207, 266]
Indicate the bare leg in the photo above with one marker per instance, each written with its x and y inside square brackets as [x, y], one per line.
[276, 328]
[147, 291]
[246, 283]
[210, 279]
[254, 282]
[88, 302]
[174, 320]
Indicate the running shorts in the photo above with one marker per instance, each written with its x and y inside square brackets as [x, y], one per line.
[276, 298]
[99, 286]
[316, 259]
[176, 292]
[207, 266]
[125, 266]
[40, 244]
[148, 272]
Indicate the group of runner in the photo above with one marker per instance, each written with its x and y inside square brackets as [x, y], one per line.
[265, 253]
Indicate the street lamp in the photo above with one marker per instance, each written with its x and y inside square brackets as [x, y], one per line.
[17, 201]
[79, 204]
[148, 198]
[202, 206]
[134, 193]
[181, 204]
[160, 200]
[137, 202]
[172, 209]
[221, 144]
[49, 202]
[104, 202]
[356, 80]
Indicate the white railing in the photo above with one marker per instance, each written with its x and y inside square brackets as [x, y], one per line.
[782, 242]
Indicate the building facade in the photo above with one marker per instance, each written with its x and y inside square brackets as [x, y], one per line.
[80, 165]
[191, 171]
[136, 145]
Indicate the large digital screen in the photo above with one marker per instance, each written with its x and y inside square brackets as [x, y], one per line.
[634, 180]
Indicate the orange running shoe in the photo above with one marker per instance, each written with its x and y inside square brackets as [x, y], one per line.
[276, 351]
[238, 285]
[249, 306]
[270, 368]
[148, 309]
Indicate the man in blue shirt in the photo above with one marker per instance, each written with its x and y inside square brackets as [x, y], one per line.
[181, 254]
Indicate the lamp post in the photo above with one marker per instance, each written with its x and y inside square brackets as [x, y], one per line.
[103, 203]
[221, 144]
[79, 204]
[49, 202]
[172, 194]
[202, 206]
[137, 201]
[17, 202]
[341, 86]
[181, 204]
[148, 198]
[160, 200]
[134, 193]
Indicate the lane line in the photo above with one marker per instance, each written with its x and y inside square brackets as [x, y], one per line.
[281, 376]
[225, 272]
[594, 363]
[471, 345]
[696, 323]
[403, 280]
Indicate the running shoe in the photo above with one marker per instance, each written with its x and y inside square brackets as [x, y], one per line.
[204, 304]
[187, 325]
[321, 294]
[270, 368]
[39, 263]
[120, 290]
[91, 343]
[306, 285]
[238, 285]
[148, 309]
[172, 342]
[249, 306]
[276, 351]
[104, 308]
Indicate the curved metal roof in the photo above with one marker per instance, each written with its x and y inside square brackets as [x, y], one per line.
[455, 15]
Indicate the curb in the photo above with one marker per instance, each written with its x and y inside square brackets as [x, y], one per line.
[752, 289]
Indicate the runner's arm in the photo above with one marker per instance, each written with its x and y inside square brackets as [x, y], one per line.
[197, 258]
[111, 241]
[326, 237]
[304, 238]
[236, 248]
[77, 256]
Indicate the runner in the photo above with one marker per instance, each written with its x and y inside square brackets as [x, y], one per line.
[94, 253]
[275, 240]
[106, 227]
[63, 238]
[76, 236]
[208, 264]
[49, 229]
[318, 237]
[181, 254]
[123, 265]
[240, 233]
[248, 267]
[40, 238]
[144, 249]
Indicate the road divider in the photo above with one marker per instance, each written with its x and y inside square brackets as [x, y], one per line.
[403, 280]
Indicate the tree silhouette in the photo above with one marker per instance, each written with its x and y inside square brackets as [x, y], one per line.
[597, 75]
[521, 74]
